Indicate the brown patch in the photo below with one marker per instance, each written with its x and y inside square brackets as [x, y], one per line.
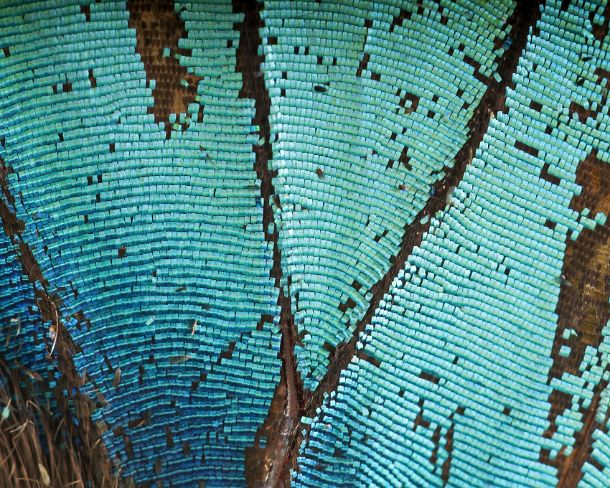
[400, 18]
[12, 225]
[142, 420]
[404, 158]
[582, 112]
[436, 437]
[526, 148]
[30, 265]
[419, 418]
[159, 26]
[446, 468]
[327, 346]
[477, 69]
[570, 467]
[266, 318]
[361, 354]
[86, 10]
[364, 62]
[585, 113]
[414, 99]
[228, 353]
[583, 301]
[378, 238]
[545, 175]
[424, 375]
[169, 437]
[449, 448]
[600, 31]
[349, 304]
[582, 306]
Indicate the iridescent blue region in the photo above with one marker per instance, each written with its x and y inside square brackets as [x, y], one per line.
[159, 242]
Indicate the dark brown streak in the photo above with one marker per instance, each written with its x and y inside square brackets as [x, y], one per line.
[266, 466]
[63, 348]
[524, 17]
[492, 102]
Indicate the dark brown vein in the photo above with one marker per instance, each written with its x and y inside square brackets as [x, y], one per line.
[524, 17]
[271, 466]
[92, 451]
[265, 466]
